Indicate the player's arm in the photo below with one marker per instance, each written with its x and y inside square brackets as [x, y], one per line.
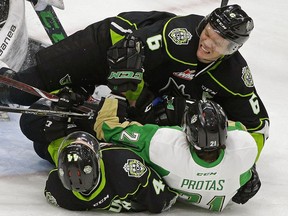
[249, 189]
[251, 112]
[155, 195]
[112, 126]
[250, 179]
[56, 128]
[239, 98]
[57, 195]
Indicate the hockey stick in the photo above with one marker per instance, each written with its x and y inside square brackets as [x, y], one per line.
[41, 112]
[2, 23]
[224, 3]
[37, 92]
[50, 22]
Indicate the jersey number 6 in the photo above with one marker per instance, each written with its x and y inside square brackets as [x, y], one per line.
[254, 104]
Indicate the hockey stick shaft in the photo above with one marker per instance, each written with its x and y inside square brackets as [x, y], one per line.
[224, 3]
[51, 23]
[44, 112]
[37, 92]
[28, 89]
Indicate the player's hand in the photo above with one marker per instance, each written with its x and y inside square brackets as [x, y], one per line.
[125, 61]
[68, 99]
[248, 190]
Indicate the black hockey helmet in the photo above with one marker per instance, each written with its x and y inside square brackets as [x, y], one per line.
[78, 162]
[205, 125]
[231, 22]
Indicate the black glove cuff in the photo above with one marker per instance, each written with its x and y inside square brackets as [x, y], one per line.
[4, 89]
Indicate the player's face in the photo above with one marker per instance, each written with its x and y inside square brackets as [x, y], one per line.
[211, 45]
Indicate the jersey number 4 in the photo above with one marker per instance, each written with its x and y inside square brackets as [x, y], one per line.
[158, 186]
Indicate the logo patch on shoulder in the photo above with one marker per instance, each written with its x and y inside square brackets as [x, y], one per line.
[247, 77]
[134, 168]
[180, 36]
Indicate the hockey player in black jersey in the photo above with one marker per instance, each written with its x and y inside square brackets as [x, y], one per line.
[193, 56]
[90, 175]
[109, 178]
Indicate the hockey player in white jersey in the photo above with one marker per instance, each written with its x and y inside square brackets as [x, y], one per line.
[206, 161]
[13, 37]
[13, 33]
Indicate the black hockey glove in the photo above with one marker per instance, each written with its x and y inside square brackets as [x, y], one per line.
[67, 100]
[125, 61]
[56, 126]
[170, 112]
[248, 190]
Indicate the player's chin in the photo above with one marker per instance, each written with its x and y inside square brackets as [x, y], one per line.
[203, 58]
[207, 57]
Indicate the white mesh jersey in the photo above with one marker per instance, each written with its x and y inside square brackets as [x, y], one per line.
[208, 185]
[166, 149]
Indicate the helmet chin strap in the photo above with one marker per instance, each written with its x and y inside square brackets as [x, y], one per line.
[204, 70]
[207, 61]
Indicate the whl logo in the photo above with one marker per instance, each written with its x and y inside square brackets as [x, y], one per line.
[186, 75]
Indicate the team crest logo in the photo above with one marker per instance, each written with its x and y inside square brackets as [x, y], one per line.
[247, 77]
[134, 168]
[186, 75]
[180, 36]
[65, 80]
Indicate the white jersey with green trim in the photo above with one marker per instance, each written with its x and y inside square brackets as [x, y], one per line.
[208, 185]
[166, 149]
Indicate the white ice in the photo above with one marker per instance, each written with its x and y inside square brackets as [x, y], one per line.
[23, 174]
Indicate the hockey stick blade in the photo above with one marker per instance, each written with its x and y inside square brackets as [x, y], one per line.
[37, 92]
[40, 112]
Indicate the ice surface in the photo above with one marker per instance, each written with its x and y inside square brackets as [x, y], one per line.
[23, 174]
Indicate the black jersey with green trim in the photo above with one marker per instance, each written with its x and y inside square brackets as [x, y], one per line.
[170, 64]
[171, 67]
[127, 185]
